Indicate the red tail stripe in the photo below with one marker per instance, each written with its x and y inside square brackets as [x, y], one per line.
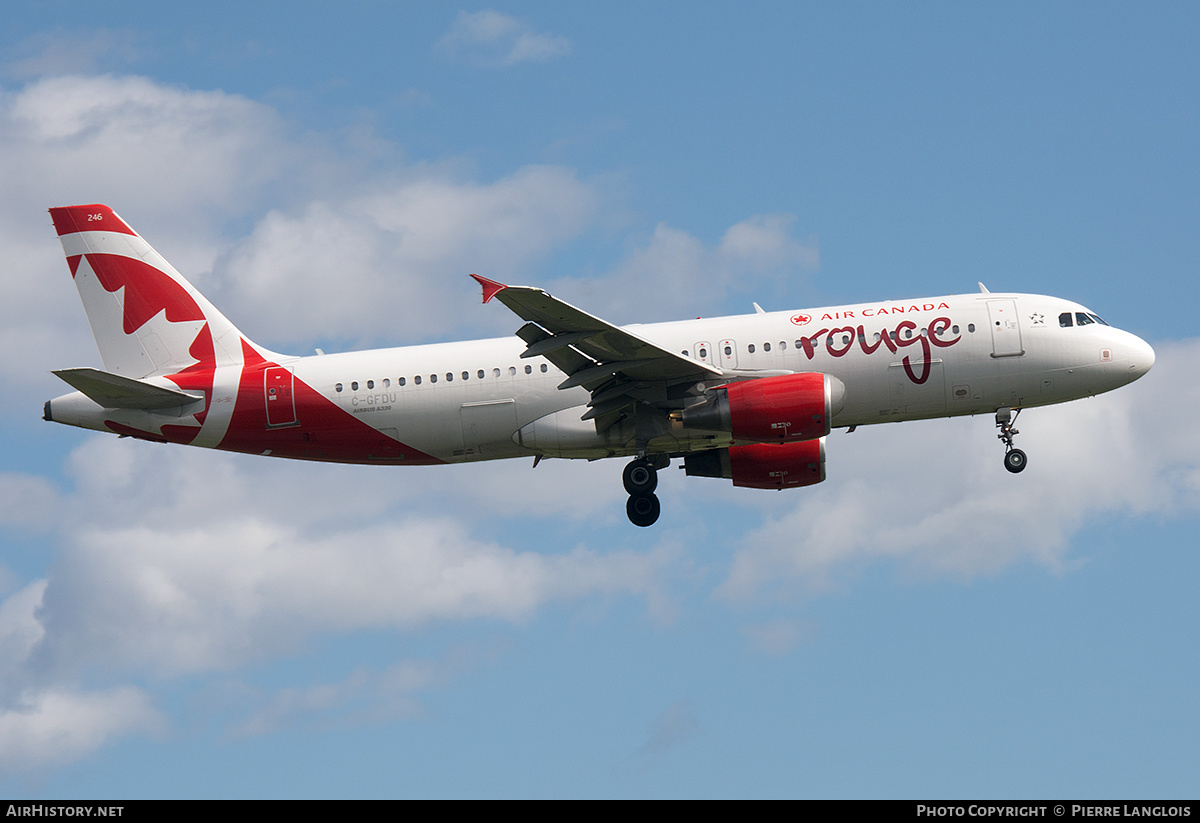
[96, 217]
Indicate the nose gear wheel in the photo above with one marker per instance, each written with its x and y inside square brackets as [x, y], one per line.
[1014, 459]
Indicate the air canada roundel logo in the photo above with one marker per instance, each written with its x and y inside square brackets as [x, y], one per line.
[801, 319]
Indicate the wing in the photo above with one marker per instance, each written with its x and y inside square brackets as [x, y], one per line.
[615, 365]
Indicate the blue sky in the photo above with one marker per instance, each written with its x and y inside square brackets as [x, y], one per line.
[183, 623]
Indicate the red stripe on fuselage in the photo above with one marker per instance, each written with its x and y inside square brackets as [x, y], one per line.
[182, 435]
[322, 431]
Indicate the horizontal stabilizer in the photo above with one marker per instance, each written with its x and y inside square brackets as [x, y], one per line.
[112, 391]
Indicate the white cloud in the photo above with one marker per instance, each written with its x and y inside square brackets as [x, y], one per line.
[57, 726]
[43, 723]
[491, 39]
[675, 269]
[178, 562]
[764, 243]
[128, 140]
[393, 263]
[27, 500]
[20, 631]
[197, 561]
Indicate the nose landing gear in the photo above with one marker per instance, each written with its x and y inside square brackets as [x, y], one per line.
[1014, 459]
[641, 479]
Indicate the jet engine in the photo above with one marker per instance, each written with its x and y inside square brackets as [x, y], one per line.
[763, 465]
[782, 409]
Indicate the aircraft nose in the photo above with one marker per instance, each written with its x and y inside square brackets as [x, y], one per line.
[1141, 357]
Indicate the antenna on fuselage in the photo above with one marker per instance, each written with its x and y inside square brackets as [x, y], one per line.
[984, 289]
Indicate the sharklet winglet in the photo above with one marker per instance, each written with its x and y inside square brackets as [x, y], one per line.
[490, 287]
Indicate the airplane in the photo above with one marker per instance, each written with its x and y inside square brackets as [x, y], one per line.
[749, 398]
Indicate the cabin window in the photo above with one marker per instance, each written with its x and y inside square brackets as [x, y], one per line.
[337, 387]
[433, 378]
[370, 384]
[480, 374]
[750, 348]
[417, 380]
[728, 351]
[466, 375]
[908, 334]
[545, 368]
[400, 381]
[449, 377]
[783, 345]
[512, 371]
[766, 346]
[529, 369]
[970, 328]
[354, 386]
[703, 353]
[799, 345]
[495, 372]
[387, 382]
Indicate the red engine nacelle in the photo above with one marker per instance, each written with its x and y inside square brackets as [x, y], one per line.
[763, 465]
[780, 409]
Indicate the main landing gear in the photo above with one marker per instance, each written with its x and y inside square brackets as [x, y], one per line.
[641, 479]
[1014, 459]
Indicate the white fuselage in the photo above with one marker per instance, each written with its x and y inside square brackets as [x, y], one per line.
[479, 400]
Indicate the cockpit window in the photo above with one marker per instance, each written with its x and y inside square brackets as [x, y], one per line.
[1065, 320]
[1083, 319]
[1098, 319]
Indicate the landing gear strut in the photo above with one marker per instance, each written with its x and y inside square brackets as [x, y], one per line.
[1014, 459]
[641, 479]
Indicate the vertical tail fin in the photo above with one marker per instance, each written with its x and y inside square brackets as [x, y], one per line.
[146, 318]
